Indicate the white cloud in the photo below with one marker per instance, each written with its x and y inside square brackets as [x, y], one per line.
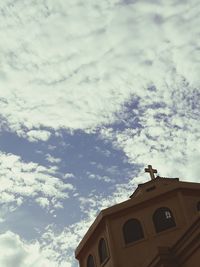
[18, 253]
[68, 175]
[63, 66]
[38, 135]
[52, 159]
[43, 202]
[106, 61]
[62, 244]
[103, 178]
[167, 137]
[20, 180]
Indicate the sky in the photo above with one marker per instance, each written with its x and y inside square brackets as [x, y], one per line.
[91, 92]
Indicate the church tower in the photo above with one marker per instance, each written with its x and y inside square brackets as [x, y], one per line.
[159, 226]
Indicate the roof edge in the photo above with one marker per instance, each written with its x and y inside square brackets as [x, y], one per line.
[103, 214]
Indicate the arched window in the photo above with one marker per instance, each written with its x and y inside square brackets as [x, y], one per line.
[90, 261]
[163, 219]
[132, 231]
[198, 206]
[103, 252]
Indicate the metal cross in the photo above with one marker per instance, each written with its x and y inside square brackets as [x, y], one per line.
[151, 171]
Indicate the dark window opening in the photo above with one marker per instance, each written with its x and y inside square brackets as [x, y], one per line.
[90, 261]
[163, 219]
[103, 253]
[132, 231]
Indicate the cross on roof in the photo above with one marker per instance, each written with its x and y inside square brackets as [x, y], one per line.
[151, 171]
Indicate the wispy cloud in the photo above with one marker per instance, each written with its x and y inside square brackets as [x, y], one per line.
[21, 180]
[167, 136]
[16, 252]
[36, 135]
[52, 159]
[74, 70]
[122, 71]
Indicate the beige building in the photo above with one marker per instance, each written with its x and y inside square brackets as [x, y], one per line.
[159, 226]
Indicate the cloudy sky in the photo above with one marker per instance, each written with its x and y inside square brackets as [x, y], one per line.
[90, 93]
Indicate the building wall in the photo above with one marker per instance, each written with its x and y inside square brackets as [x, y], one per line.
[146, 247]
[182, 203]
[190, 200]
[92, 248]
[193, 260]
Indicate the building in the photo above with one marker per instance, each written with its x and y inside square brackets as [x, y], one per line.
[159, 226]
